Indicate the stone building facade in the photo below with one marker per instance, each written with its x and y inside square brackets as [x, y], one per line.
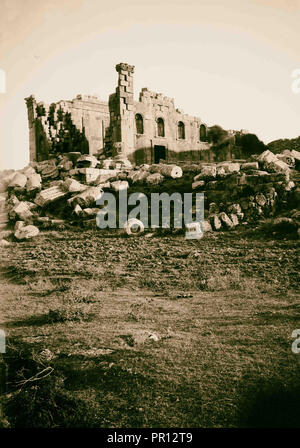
[143, 131]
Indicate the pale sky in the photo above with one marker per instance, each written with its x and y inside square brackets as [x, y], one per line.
[229, 62]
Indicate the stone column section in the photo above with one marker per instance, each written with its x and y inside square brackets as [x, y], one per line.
[121, 108]
[31, 113]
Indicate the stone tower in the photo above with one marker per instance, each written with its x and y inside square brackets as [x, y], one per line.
[121, 107]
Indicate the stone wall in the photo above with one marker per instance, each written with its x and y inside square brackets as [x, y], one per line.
[88, 114]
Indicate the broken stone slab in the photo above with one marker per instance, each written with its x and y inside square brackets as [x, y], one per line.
[90, 174]
[144, 167]
[104, 185]
[18, 181]
[72, 186]
[224, 218]
[215, 222]
[138, 176]
[22, 211]
[278, 166]
[208, 172]
[154, 179]
[249, 166]
[221, 171]
[119, 185]
[229, 167]
[288, 159]
[26, 232]
[206, 226]
[33, 182]
[89, 212]
[87, 161]
[105, 175]
[198, 184]
[87, 197]
[49, 195]
[266, 157]
[172, 171]
[234, 219]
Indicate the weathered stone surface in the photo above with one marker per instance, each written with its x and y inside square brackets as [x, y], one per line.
[65, 164]
[288, 159]
[172, 171]
[19, 225]
[18, 181]
[261, 199]
[50, 172]
[21, 211]
[249, 166]
[105, 175]
[198, 184]
[26, 232]
[138, 176]
[221, 172]
[49, 195]
[72, 186]
[28, 170]
[154, 179]
[119, 185]
[266, 157]
[90, 212]
[90, 174]
[87, 161]
[4, 243]
[206, 226]
[278, 166]
[87, 198]
[207, 172]
[215, 222]
[77, 210]
[229, 167]
[33, 182]
[234, 219]
[226, 221]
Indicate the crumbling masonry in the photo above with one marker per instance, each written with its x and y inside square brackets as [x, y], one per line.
[143, 131]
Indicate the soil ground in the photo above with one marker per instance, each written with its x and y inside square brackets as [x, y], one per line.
[108, 331]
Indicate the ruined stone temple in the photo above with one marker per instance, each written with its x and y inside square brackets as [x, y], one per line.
[143, 131]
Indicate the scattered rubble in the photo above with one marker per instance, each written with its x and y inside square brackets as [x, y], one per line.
[66, 189]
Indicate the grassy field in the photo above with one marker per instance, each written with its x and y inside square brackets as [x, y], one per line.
[108, 331]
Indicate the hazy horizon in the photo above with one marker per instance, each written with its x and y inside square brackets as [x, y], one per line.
[228, 63]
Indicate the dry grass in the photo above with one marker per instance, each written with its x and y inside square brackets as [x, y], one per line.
[222, 310]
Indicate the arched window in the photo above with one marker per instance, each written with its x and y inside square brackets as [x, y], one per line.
[139, 124]
[181, 133]
[160, 127]
[202, 133]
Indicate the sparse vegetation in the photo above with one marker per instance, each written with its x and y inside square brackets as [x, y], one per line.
[224, 308]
